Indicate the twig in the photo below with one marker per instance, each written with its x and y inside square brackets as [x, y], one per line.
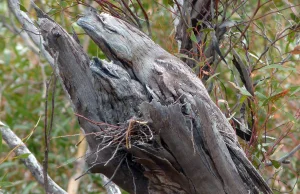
[47, 131]
[111, 188]
[259, 5]
[79, 166]
[45, 161]
[146, 17]
[133, 179]
[181, 14]
[117, 168]
[284, 158]
[115, 152]
[53, 97]
[29, 27]
[133, 15]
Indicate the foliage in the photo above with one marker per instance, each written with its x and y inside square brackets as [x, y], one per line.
[265, 37]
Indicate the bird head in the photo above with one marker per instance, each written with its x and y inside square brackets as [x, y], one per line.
[116, 38]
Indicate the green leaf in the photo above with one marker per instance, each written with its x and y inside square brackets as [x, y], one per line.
[199, 23]
[295, 18]
[63, 4]
[22, 8]
[275, 163]
[291, 36]
[6, 184]
[295, 90]
[242, 99]
[287, 47]
[260, 82]
[260, 24]
[256, 161]
[23, 156]
[260, 95]
[29, 188]
[214, 75]
[242, 90]
[193, 37]
[279, 67]
[189, 30]
[170, 3]
[2, 44]
[52, 12]
[207, 30]
[278, 3]
[180, 55]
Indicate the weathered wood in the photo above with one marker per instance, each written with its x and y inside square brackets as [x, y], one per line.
[73, 65]
[165, 133]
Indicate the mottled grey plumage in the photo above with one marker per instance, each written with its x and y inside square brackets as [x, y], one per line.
[102, 69]
[192, 128]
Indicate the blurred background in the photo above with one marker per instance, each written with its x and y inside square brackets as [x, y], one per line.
[270, 44]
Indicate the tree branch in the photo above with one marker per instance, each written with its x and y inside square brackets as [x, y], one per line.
[30, 162]
[29, 27]
[285, 157]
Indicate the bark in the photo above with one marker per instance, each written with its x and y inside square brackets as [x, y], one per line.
[154, 127]
[201, 16]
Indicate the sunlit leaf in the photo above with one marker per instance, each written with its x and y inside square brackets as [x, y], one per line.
[184, 56]
[242, 90]
[29, 187]
[279, 3]
[260, 95]
[207, 30]
[193, 37]
[294, 90]
[6, 184]
[63, 4]
[199, 23]
[211, 77]
[168, 2]
[23, 156]
[242, 99]
[52, 12]
[2, 124]
[279, 67]
[22, 8]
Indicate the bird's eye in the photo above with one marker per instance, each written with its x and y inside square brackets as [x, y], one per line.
[110, 29]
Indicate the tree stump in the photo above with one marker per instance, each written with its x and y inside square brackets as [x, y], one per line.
[149, 122]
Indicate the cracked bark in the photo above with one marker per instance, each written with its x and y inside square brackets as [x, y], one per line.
[170, 136]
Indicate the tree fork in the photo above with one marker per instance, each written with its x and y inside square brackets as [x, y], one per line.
[165, 135]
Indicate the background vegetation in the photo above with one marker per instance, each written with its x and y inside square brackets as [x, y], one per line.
[270, 44]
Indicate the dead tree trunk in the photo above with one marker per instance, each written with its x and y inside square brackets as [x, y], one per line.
[149, 121]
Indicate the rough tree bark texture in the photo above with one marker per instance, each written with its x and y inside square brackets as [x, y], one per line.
[200, 16]
[149, 121]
